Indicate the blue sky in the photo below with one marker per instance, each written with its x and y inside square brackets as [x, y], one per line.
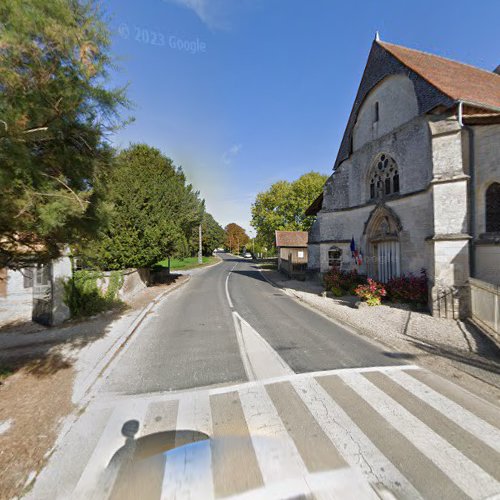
[242, 93]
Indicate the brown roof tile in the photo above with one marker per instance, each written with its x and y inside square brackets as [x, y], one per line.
[291, 238]
[457, 80]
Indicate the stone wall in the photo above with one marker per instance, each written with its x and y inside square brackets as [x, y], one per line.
[486, 167]
[396, 102]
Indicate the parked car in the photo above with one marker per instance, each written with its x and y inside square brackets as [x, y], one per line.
[247, 255]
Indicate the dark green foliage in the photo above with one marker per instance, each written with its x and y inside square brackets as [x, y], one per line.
[151, 211]
[409, 288]
[213, 236]
[55, 112]
[83, 296]
[342, 282]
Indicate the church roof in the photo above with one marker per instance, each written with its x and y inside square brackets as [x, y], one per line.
[438, 82]
[459, 81]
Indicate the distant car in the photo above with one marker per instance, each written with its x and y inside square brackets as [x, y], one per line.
[247, 255]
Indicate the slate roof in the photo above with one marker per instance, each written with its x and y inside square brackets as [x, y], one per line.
[457, 80]
[295, 239]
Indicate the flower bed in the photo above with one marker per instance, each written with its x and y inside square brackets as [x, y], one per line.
[408, 288]
[341, 282]
[372, 292]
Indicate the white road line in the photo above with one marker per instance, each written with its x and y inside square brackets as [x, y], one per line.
[260, 360]
[276, 453]
[227, 286]
[110, 401]
[467, 475]
[464, 418]
[97, 476]
[351, 442]
[188, 469]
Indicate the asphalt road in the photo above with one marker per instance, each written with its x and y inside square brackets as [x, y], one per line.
[231, 389]
[191, 339]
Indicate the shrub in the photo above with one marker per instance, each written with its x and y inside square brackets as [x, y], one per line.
[341, 282]
[83, 296]
[372, 292]
[408, 288]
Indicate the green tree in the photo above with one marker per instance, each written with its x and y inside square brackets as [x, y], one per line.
[55, 111]
[282, 207]
[213, 236]
[236, 237]
[151, 211]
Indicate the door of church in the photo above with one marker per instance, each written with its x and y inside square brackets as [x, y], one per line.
[387, 260]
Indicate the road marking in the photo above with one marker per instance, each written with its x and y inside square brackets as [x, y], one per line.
[340, 484]
[227, 286]
[98, 478]
[110, 400]
[467, 475]
[352, 443]
[276, 452]
[260, 360]
[188, 468]
[471, 423]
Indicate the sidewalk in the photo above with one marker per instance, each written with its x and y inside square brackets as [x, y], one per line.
[454, 348]
[54, 371]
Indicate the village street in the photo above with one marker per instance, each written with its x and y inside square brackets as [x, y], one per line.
[231, 387]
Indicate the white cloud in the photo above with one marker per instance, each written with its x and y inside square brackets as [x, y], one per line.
[210, 12]
[228, 155]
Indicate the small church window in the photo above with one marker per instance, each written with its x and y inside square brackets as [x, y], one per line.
[384, 179]
[395, 181]
[493, 208]
[376, 118]
[334, 257]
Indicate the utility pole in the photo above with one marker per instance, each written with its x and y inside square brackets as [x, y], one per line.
[200, 254]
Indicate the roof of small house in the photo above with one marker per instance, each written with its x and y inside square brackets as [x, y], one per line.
[457, 80]
[297, 239]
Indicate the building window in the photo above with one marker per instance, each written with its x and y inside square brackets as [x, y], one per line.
[493, 208]
[384, 178]
[376, 113]
[334, 257]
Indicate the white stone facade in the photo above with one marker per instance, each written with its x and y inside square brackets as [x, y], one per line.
[426, 223]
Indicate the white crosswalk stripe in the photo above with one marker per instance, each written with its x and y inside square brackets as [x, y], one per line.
[189, 470]
[477, 427]
[349, 439]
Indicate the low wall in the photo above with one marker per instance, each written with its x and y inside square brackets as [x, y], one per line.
[134, 280]
[485, 305]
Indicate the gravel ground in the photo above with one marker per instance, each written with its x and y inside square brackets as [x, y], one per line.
[454, 348]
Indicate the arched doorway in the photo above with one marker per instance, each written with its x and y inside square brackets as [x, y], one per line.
[382, 238]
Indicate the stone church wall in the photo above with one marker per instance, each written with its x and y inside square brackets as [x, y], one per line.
[487, 170]
[408, 146]
[394, 101]
[487, 167]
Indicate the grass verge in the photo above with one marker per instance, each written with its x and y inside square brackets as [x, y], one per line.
[187, 263]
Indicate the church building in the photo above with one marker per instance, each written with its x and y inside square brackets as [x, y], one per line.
[416, 182]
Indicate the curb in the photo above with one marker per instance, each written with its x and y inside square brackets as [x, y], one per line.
[113, 351]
